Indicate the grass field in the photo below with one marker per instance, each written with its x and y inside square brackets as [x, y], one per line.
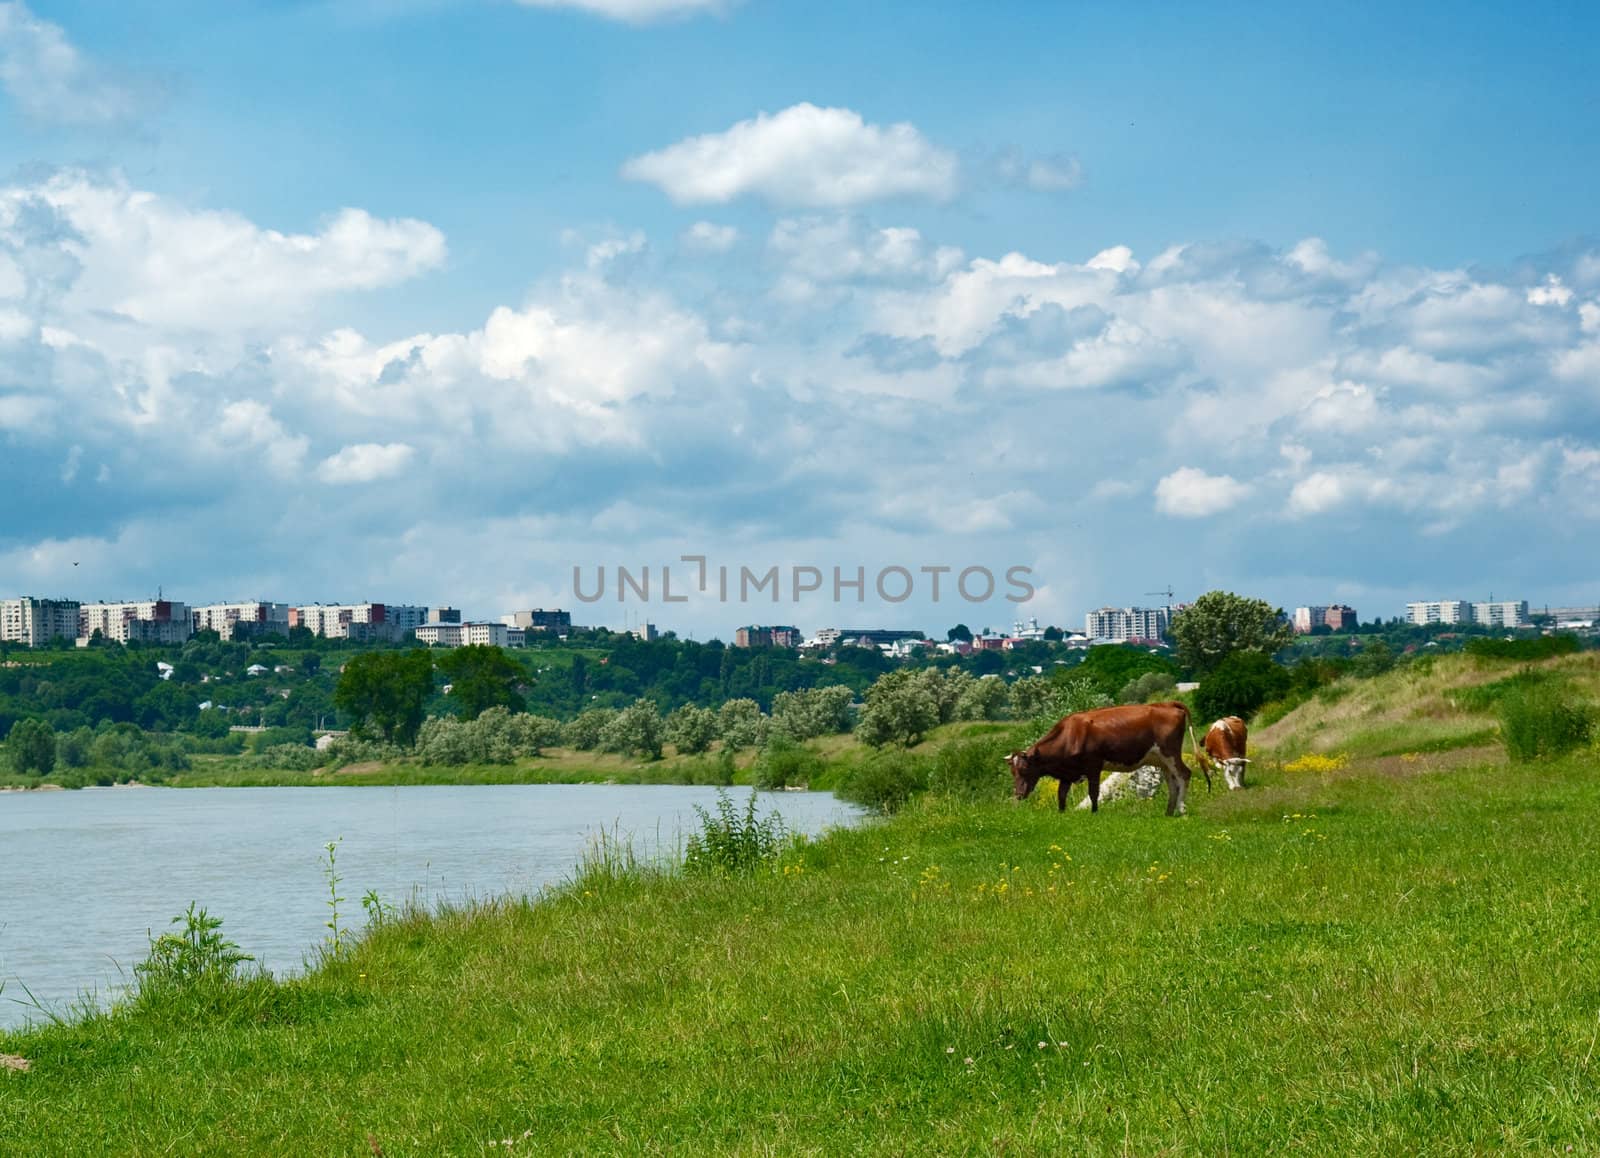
[1395, 957]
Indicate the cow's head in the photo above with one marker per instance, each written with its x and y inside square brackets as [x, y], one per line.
[1233, 771]
[1023, 778]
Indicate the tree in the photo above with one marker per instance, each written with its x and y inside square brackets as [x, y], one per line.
[636, 728]
[385, 690]
[31, 744]
[1052, 634]
[800, 715]
[901, 706]
[1238, 686]
[691, 729]
[983, 699]
[741, 724]
[1220, 623]
[1372, 660]
[481, 677]
[960, 631]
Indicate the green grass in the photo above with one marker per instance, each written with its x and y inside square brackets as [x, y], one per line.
[1336, 965]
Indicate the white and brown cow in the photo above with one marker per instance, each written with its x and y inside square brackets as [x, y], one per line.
[1084, 744]
[1225, 745]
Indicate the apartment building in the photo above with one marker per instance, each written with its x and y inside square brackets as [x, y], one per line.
[36, 622]
[1502, 613]
[243, 620]
[1121, 624]
[1439, 611]
[1336, 616]
[1489, 613]
[554, 621]
[141, 621]
[759, 636]
[359, 621]
[448, 634]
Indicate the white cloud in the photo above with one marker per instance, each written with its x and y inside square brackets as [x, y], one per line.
[365, 462]
[151, 260]
[50, 81]
[801, 156]
[709, 237]
[635, 11]
[1191, 493]
[1317, 493]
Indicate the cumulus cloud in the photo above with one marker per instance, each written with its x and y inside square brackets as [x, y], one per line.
[636, 11]
[1191, 493]
[709, 237]
[365, 462]
[801, 156]
[51, 81]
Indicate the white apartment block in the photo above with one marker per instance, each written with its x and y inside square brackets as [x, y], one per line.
[359, 620]
[1497, 613]
[1504, 613]
[1439, 611]
[230, 620]
[37, 621]
[143, 621]
[467, 634]
[1120, 624]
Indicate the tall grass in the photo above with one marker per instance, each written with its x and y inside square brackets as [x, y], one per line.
[1540, 719]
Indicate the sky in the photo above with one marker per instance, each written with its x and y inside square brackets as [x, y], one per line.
[459, 301]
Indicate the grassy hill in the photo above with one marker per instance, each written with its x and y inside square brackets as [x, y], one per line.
[1364, 960]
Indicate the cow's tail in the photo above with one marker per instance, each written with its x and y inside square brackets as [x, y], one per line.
[1201, 756]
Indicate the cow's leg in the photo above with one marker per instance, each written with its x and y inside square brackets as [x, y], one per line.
[1063, 787]
[1179, 783]
[1094, 790]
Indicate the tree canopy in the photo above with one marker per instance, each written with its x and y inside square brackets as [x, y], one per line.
[385, 691]
[1220, 623]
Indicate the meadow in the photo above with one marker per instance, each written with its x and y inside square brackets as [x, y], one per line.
[1367, 952]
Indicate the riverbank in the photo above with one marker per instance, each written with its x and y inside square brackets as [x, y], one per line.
[1341, 962]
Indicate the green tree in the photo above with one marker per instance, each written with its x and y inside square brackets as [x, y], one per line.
[1375, 658]
[960, 631]
[31, 744]
[691, 729]
[1238, 686]
[384, 691]
[636, 728]
[800, 715]
[983, 699]
[902, 707]
[741, 724]
[481, 677]
[1220, 623]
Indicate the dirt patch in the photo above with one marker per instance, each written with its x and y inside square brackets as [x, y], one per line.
[359, 769]
[10, 1061]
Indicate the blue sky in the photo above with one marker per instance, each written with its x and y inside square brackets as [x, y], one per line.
[432, 300]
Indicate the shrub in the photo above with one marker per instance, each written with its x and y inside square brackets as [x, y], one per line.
[902, 707]
[730, 842]
[289, 757]
[1239, 685]
[691, 729]
[970, 770]
[1538, 647]
[1544, 719]
[783, 763]
[800, 715]
[1149, 686]
[884, 781]
[584, 732]
[637, 728]
[984, 699]
[741, 724]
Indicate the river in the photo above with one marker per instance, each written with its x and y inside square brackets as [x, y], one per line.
[86, 876]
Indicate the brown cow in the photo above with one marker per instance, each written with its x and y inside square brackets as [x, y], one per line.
[1225, 744]
[1082, 745]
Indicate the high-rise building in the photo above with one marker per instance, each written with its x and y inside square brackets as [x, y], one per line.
[142, 621]
[241, 620]
[555, 621]
[1439, 611]
[1504, 613]
[1121, 624]
[758, 636]
[1336, 616]
[36, 622]
[359, 620]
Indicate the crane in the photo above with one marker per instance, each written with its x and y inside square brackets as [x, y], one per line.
[1169, 593]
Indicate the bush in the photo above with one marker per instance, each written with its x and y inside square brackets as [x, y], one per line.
[730, 843]
[288, 757]
[885, 781]
[1150, 685]
[716, 770]
[635, 729]
[902, 707]
[984, 699]
[197, 962]
[1239, 685]
[584, 732]
[496, 736]
[741, 724]
[691, 729]
[783, 763]
[970, 770]
[1538, 647]
[1544, 719]
[800, 715]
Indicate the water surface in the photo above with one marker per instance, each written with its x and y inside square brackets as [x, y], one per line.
[86, 876]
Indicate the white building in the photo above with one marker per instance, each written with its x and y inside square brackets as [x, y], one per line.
[238, 620]
[1120, 624]
[359, 620]
[1505, 613]
[37, 621]
[1029, 630]
[143, 621]
[1439, 611]
[467, 634]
